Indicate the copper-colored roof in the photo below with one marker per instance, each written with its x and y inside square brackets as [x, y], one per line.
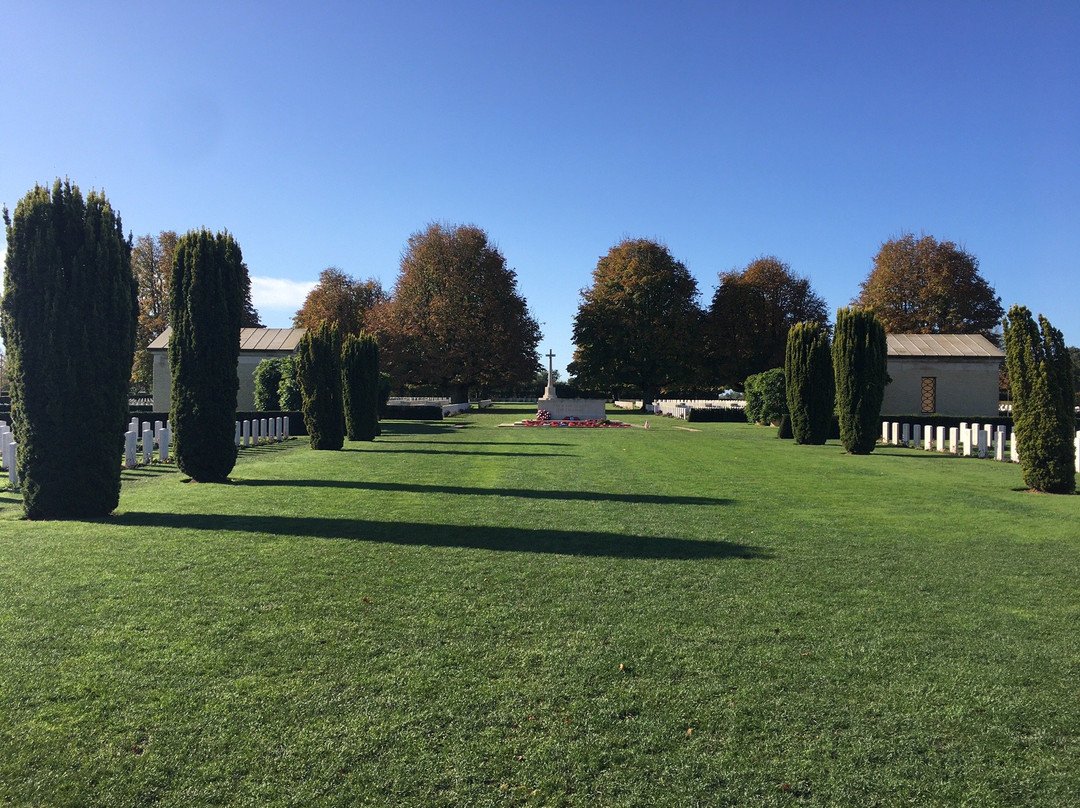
[943, 345]
[251, 339]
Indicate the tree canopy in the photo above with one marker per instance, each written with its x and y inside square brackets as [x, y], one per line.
[340, 299]
[926, 286]
[151, 263]
[752, 310]
[637, 324]
[455, 318]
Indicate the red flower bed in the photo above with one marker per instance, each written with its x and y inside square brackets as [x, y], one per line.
[590, 423]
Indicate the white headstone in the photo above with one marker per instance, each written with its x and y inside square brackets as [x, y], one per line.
[130, 438]
[982, 444]
[1014, 450]
[905, 435]
[147, 445]
[895, 434]
[954, 440]
[999, 444]
[940, 437]
[164, 436]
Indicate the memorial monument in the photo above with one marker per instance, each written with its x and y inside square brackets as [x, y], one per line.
[564, 409]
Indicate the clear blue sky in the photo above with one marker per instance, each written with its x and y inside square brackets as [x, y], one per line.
[324, 134]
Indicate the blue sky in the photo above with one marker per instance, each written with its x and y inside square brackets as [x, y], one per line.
[324, 134]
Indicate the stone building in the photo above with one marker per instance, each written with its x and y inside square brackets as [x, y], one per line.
[256, 344]
[942, 374]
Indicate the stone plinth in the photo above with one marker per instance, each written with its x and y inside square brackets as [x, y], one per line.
[584, 409]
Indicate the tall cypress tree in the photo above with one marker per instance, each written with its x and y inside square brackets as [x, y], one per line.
[811, 387]
[68, 319]
[205, 307]
[1041, 380]
[860, 367]
[360, 386]
[318, 369]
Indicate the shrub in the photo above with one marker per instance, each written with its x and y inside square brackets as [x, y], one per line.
[68, 319]
[811, 387]
[289, 398]
[206, 302]
[267, 383]
[318, 369]
[1041, 379]
[860, 369]
[766, 400]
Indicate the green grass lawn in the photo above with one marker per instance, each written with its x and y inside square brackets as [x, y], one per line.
[463, 615]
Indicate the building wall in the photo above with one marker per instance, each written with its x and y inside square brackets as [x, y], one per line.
[245, 370]
[967, 386]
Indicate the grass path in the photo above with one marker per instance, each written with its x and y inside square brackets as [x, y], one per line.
[458, 614]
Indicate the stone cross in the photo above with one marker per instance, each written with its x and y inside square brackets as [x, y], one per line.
[549, 393]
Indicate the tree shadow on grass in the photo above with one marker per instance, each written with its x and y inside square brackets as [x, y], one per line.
[417, 428]
[476, 442]
[497, 539]
[456, 452]
[524, 493]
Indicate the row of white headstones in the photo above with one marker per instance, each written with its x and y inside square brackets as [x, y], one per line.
[967, 440]
[159, 438]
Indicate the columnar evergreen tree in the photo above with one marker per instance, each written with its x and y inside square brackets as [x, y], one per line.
[811, 387]
[360, 386]
[68, 319]
[267, 383]
[860, 367]
[1041, 380]
[318, 369]
[205, 309]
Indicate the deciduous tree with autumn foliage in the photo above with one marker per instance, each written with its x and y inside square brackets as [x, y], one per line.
[339, 298]
[746, 327]
[637, 324]
[455, 318]
[925, 286]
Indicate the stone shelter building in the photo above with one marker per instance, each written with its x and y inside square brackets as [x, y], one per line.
[942, 374]
[256, 344]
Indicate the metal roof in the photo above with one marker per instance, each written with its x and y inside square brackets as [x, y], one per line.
[943, 345]
[251, 339]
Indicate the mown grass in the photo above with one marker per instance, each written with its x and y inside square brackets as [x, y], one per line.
[458, 614]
